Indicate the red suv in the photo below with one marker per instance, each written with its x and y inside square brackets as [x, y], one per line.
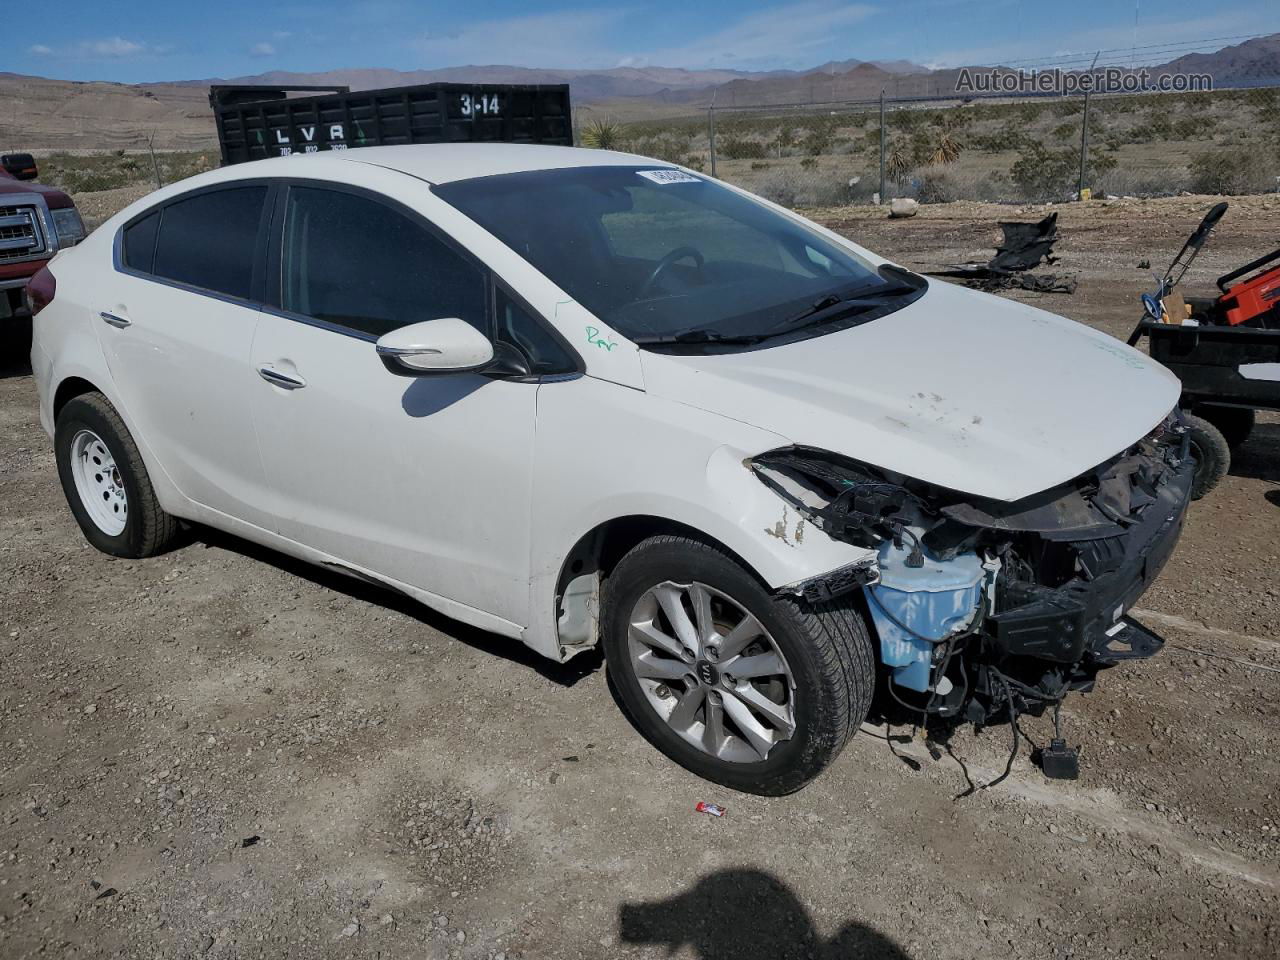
[35, 223]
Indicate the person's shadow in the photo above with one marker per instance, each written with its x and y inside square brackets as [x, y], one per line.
[745, 915]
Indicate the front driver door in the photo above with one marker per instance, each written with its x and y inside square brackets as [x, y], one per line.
[422, 479]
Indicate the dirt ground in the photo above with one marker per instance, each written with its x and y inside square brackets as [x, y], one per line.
[221, 753]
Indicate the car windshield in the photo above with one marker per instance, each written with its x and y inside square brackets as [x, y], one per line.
[667, 257]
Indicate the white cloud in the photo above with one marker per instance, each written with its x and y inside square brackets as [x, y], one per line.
[112, 48]
[262, 50]
[103, 48]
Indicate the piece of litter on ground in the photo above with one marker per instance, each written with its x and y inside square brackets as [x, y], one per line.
[249, 841]
[712, 808]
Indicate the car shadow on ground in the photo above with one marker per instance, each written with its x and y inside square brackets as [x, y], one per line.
[564, 674]
[1258, 458]
[744, 914]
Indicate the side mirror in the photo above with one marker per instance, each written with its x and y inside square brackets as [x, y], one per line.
[447, 345]
[20, 166]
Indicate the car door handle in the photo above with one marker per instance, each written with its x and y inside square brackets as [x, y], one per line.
[274, 376]
[115, 320]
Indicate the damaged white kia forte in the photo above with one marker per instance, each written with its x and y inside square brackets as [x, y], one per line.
[581, 399]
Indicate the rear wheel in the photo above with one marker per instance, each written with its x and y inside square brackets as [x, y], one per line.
[752, 691]
[1213, 455]
[106, 483]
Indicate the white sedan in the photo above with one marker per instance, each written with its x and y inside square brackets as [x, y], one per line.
[583, 398]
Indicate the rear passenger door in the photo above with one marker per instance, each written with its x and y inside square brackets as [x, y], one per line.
[177, 326]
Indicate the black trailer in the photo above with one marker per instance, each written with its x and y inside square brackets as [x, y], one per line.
[256, 122]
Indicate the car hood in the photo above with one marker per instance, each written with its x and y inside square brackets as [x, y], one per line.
[54, 197]
[960, 389]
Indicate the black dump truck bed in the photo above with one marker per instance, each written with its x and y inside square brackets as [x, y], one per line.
[255, 122]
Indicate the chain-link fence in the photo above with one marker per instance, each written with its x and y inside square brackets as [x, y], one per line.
[1015, 149]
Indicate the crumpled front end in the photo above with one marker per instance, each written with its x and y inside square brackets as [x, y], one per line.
[987, 608]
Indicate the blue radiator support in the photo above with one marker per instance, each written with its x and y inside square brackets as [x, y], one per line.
[931, 602]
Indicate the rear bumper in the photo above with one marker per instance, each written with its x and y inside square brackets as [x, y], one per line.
[1085, 620]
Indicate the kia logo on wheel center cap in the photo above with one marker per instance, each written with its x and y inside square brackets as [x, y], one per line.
[707, 673]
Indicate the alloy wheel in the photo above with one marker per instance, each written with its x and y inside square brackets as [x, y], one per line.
[711, 671]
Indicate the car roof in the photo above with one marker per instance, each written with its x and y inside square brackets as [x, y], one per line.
[448, 162]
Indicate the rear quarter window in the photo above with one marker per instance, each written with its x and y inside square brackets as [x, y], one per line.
[140, 243]
[209, 240]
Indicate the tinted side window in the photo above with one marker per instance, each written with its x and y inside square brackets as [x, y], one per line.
[517, 327]
[358, 263]
[140, 243]
[208, 240]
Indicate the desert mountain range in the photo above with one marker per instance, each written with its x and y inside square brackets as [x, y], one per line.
[42, 114]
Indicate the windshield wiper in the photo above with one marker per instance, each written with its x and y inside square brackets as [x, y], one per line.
[699, 336]
[821, 310]
[834, 304]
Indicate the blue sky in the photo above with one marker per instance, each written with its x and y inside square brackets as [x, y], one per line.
[167, 40]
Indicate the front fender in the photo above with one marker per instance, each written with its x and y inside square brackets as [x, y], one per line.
[673, 463]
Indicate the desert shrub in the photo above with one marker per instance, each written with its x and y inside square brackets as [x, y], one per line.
[812, 189]
[1008, 137]
[759, 165]
[809, 162]
[737, 148]
[816, 142]
[1043, 174]
[1167, 182]
[660, 148]
[1065, 131]
[936, 186]
[1230, 172]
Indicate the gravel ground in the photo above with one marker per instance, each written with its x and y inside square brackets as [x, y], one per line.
[221, 753]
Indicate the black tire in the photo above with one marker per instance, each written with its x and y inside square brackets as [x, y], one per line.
[1234, 423]
[827, 648]
[1213, 455]
[148, 530]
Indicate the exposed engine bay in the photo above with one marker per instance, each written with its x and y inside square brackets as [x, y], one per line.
[987, 609]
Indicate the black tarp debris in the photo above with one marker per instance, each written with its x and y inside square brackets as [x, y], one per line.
[1025, 247]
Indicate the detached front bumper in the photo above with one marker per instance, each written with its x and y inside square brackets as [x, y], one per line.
[1085, 618]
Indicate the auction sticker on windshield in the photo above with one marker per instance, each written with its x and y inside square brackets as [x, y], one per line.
[668, 176]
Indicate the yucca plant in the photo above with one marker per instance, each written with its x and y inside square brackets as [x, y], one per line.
[948, 151]
[602, 134]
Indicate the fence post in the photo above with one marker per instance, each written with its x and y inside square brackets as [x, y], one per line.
[883, 138]
[1084, 131]
[711, 135]
[151, 146]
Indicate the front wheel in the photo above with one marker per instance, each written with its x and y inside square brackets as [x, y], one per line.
[756, 692]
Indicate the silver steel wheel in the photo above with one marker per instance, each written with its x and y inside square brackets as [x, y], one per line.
[98, 482]
[712, 671]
